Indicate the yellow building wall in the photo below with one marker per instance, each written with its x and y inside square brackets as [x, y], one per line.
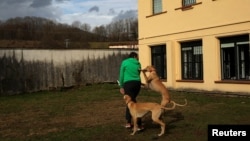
[207, 21]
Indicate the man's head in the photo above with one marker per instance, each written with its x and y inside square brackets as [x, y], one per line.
[133, 55]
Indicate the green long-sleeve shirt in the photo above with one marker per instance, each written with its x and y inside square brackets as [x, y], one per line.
[129, 71]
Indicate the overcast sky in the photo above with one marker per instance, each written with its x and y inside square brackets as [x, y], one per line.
[93, 12]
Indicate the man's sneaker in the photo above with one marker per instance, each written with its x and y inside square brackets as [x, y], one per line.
[141, 128]
[128, 126]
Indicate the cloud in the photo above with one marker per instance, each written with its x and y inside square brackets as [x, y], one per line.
[62, 0]
[111, 12]
[41, 3]
[93, 12]
[44, 3]
[2, 2]
[94, 9]
[37, 8]
[126, 15]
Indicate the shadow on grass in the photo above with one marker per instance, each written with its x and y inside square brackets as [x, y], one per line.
[168, 117]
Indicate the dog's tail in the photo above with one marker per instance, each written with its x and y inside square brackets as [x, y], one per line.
[174, 105]
[170, 108]
[177, 104]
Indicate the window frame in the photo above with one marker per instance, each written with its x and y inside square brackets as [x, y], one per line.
[185, 7]
[186, 3]
[154, 6]
[192, 60]
[234, 58]
[159, 59]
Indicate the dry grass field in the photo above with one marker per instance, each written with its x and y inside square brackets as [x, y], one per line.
[96, 113]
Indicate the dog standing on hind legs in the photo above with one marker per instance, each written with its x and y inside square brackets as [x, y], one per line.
[154, 83]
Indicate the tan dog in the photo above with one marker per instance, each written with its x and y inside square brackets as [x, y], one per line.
[138, 110]
[154, 83]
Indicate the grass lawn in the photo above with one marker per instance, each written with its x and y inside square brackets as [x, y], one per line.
[96, 113]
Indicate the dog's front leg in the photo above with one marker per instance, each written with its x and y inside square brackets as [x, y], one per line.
[146, 79]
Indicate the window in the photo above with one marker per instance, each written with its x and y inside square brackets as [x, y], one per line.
[235, 58]
[188, 2]
[158, 54]
[191, 60]
[157, 6]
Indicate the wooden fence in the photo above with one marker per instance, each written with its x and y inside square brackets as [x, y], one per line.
[24, 70]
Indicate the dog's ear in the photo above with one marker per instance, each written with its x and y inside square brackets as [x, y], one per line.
[126, 97]
[146, 68]
[152, 68]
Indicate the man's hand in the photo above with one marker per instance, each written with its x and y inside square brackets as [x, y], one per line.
[122, 91]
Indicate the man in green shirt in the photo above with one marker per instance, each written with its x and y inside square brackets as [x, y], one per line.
[130, 83]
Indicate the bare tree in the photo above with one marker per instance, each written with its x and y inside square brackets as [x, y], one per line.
[101, 32]
[85, 27]
[51, 33]
[76, 24]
